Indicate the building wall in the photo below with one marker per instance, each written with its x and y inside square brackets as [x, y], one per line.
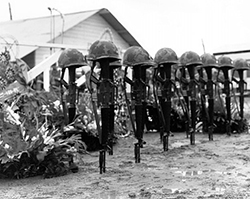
[30, 59]
[84, 34]
[89, 31]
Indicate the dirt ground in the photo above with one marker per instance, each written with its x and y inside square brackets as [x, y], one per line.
[208, 169]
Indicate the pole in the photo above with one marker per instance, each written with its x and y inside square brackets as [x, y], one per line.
[50, 27]
[10, 11]
[63, 22]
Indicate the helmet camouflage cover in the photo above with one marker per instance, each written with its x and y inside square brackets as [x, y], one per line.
[209, 60]
[103, 49]
[71, 57]
[165, 55]
[225, 62]
[240, 64]
[190, 58]
[136, 55]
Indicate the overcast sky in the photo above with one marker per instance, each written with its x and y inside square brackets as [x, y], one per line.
[177, 24]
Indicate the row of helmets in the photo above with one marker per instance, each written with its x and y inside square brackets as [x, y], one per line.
[98, 50]
[168, 56]
[136, 55]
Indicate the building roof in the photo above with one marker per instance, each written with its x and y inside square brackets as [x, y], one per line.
[38, 30]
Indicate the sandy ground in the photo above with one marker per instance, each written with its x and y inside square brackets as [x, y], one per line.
[208, 169]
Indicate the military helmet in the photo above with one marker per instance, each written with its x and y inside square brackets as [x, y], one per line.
[240, 64]
[136, 55]
[190, 58]
[225, 62]
[165, 55]
[71, 57]
[209, 60]
[103, 49]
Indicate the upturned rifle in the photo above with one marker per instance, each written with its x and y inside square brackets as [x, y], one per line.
[157, 92]
[70, 110]
[226, 90]
[204, 113]
[72, 94]
[241, 89]
[190, 60]
[64, 97]
[138, 95]
[210, 94]
[105, 97]
[192, 95]
[70, 59]
[128, 103]
[184, 87]
[164, 77]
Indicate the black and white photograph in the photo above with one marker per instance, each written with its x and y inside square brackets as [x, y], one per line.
[124, 99]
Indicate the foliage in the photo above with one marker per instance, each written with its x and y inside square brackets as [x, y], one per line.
[32, 143]
[237, 125]
[33, 138]
[220, 116]
[84, 106]
[32, 132]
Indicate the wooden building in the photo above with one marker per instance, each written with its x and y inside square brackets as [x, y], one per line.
[37, 38]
